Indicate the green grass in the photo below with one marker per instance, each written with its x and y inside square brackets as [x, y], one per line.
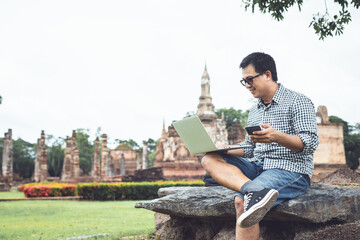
[11, 195]
[41, 219]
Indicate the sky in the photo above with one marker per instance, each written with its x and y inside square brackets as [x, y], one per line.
[127, 66]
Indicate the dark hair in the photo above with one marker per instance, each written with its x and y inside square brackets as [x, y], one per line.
[261, 62]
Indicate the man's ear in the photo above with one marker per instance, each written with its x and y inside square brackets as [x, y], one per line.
[268, 75]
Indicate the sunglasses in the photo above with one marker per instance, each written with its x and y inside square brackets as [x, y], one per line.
[250, 80]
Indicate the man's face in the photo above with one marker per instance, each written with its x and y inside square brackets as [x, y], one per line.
[258, 86]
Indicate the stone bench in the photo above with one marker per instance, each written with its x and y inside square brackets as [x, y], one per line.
[209, 213]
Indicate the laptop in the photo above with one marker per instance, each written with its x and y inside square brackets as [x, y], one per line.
[196, 138]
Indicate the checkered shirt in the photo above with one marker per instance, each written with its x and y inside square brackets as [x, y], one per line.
[291, 113]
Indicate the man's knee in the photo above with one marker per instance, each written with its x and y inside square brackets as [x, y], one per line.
[205, 160]
[208, 159]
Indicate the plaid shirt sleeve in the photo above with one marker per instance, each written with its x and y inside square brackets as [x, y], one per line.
[304, 123]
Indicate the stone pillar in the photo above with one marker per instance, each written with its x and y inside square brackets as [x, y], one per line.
[122, 171]
[7, 158]
[106, 159]
[41, 166]
[71, 166]
[104, 153]
[75, 156]
[67, 164]
[145, 158]
[95, 168]
[138, 158]
[109, 165]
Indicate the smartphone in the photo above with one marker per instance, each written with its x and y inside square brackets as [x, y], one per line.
[252, 129]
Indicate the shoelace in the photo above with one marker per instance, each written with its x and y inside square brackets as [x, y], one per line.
[247, 199]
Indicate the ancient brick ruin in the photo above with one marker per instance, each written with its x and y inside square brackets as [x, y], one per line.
[7, 163]
[331, 149]
[41, 166]
[236, 133]
[71, 166]
[123, 160]
[330, 154]
[171, 153]
[114, 164]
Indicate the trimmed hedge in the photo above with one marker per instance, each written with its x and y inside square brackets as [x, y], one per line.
[127, 190]
[102, 191]
[49, 190]
[21, 187]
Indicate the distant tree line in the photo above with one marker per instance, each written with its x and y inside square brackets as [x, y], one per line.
[232, 116]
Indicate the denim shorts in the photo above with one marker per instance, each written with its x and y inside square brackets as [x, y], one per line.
[289, 184]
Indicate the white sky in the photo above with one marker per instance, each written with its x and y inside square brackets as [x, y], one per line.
[125, 66]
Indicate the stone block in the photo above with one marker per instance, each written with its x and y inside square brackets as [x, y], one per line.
[209, 213]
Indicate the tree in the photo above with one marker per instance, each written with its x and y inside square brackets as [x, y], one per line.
[127, 143]
[152, 150]
[351, 141]
[98, 132]
[324, 24]
[55, 155]
[232, 116]
[0, 99]
[23, 158]
[86, 149]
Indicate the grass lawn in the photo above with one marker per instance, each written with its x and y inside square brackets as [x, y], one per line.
[12, 194]
[63, 219]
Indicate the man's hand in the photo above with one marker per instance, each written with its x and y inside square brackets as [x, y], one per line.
[268, 135]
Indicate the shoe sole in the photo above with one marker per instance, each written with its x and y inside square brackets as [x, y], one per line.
[258, 211]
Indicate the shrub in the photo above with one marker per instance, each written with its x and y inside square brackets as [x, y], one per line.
[21, 188]
[102, 191]
[49, 190]
[128, 190]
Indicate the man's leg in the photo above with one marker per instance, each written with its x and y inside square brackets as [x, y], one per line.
[235, 173]
[224, 173]
[250, 233]
[289, 184]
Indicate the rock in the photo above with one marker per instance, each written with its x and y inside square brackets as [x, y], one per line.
[174, 227]
[209, 213]
[201, 202]
[320, 204]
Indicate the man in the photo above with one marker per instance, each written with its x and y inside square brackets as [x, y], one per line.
[279, 165]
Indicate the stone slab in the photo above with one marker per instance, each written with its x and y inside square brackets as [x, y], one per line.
[321, 203]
